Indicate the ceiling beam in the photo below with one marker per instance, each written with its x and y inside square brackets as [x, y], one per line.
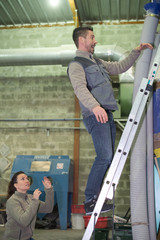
[74, 12]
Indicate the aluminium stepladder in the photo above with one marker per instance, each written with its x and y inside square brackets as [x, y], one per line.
[120, 157]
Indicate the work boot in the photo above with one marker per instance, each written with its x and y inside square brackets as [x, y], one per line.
[89, 207]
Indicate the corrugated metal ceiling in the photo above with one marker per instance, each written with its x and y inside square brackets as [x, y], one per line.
[33, 12]
[20, 13]
[111, 10]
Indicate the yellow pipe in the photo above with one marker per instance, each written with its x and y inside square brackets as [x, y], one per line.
[74, 12]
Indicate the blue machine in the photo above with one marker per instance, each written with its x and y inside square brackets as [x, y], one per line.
[58, 168]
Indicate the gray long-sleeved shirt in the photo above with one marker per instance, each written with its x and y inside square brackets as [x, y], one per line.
[21, 212]
[78, 79]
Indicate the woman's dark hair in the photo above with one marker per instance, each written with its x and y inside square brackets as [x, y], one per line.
[80, 31]
[11, 187]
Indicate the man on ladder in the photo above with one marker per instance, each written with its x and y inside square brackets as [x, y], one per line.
[92, 85]
[119, 159]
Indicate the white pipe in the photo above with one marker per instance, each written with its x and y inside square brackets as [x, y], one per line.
[35, 56]
[139, 215]
[53, 56]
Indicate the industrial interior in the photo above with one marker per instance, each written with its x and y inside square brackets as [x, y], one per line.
[41, 127]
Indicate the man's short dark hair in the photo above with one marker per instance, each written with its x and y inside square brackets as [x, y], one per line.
[80, 31]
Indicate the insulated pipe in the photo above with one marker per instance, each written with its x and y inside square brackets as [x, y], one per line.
[53, 56]
[139, 214]
[150, 162]
[35, 56]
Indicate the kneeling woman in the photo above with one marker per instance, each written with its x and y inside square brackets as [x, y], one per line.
[22, 208]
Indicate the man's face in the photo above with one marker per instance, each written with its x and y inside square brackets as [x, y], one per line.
[89, 42]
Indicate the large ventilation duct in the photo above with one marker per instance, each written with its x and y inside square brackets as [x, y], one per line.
[139, 211]
[53, 56]
[36, 56]
[150, 162]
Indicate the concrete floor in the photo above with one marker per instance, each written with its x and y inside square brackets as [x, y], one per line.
[54, 234]
[69, 234]
[58, 234]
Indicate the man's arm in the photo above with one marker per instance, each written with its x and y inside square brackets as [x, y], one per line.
[119, 67]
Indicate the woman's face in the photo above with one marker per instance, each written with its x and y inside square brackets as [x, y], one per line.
[22, 184]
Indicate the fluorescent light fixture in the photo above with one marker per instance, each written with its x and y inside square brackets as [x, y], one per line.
[54, 3]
